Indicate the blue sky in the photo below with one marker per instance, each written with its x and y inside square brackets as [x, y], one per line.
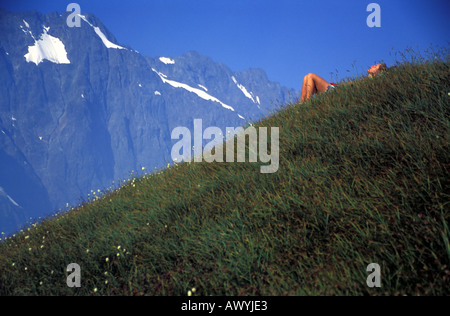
[287, 38]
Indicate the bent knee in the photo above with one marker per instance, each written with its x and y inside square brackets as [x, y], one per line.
[309, 76]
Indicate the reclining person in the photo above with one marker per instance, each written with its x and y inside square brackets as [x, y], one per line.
[313, 84]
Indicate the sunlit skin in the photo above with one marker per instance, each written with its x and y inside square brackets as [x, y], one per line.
[313, 83]
[374, 70]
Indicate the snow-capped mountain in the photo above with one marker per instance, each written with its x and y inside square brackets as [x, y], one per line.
[78, 110]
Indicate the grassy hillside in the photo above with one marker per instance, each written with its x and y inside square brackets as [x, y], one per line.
[363, 178]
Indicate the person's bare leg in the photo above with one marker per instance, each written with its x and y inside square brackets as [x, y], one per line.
[312, 84]
[315, 84]
[303, 96]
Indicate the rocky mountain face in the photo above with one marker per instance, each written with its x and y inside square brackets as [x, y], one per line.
[79, 110]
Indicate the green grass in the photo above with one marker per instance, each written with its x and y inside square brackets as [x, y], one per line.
[363, 178]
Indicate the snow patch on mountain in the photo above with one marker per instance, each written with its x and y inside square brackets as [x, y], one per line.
[203, 87]
[102, 36]
[167, 61]
[26, 23]
[200, 93]
[244, 90]
[47, 47]
[3, 193]
[27, 30]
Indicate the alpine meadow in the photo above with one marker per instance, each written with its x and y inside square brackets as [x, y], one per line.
[363, 178]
